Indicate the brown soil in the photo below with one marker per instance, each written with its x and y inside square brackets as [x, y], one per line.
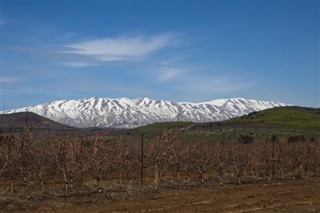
[289, 196]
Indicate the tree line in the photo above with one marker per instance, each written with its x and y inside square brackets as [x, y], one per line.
[165, 159]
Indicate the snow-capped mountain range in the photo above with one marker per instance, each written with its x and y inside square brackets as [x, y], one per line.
[130, 113]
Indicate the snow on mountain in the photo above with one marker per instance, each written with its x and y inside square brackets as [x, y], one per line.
[130, 113]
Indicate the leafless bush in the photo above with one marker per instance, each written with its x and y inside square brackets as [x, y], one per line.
[71, 161]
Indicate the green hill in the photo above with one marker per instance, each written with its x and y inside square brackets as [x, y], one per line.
[289, 117]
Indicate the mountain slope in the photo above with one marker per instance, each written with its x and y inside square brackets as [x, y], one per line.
[24, 119]
[290, 117]
[129, 113]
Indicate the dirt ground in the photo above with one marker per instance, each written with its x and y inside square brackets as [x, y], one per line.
[288, 196]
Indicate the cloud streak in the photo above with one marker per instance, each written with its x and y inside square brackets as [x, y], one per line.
[78, 64]
[120, 48]
[169, 74]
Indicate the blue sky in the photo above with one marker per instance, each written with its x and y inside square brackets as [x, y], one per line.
[175, 50]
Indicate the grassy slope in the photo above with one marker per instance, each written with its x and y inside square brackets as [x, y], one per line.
[289, 117]
[282, 121]
[161, 126]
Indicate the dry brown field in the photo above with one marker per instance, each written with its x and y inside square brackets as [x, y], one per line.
[300, 195]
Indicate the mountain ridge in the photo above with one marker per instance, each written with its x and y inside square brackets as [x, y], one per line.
[130, 113]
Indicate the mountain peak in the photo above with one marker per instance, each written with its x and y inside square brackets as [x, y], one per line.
[128, 113]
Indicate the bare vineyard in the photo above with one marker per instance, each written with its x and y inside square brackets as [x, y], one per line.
[33, 165]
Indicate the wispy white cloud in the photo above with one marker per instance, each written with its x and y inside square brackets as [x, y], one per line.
[120, 48]
[110, 58]
[78, 64]
[169, 74]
